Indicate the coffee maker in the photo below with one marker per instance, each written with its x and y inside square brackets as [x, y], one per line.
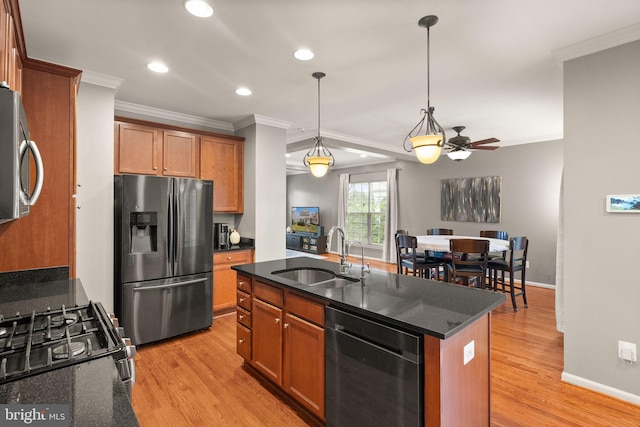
[221, 235]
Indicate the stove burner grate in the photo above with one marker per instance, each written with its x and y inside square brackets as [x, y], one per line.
[62, 351]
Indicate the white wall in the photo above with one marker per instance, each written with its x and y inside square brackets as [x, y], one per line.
[602, 155]
[265, 198]
[94, 220]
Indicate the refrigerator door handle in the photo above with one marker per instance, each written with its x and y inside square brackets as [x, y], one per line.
[172, 285]
[170, 237]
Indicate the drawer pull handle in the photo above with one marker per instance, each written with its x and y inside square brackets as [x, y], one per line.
[241, 299]
[241, 316]
[277, 320]
[240, 341]
[228, 258]
[286, 325]
[241, 283]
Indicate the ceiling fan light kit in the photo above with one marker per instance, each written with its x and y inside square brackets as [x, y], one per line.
[429, 145]
[318, 159]
[458, 154]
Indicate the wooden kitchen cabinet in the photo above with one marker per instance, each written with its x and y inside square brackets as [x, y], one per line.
[288, 341]
[244, 317]
[147, 150]
[266, 346]
[222, 160]
[224, 278]
[10, 47]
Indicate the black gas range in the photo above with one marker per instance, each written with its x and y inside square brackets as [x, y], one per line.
[41, 341]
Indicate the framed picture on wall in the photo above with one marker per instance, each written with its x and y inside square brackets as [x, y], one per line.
[623, 203]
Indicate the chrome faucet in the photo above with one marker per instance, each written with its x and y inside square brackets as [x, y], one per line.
[344, 266]
[363, 268]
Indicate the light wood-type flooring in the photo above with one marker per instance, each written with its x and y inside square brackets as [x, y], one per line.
[198, 379]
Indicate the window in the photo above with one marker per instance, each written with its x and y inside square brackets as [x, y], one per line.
[366, 211]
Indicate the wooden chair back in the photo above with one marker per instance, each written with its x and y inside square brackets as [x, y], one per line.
[440, 232]
[469, 258]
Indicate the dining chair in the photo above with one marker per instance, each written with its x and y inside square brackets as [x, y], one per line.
[469, 258]
[517, 261]
[495, 234]
[398, 260]
[408, 260]
[438, 256]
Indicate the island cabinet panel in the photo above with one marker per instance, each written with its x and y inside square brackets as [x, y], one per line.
[225, 279]
[243, 316]
[304, 363]
[266, 338]
[458, 393]
[147, 150]
[288, 340]
[222, 160]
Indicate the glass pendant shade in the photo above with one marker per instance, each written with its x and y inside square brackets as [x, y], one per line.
[427, 147]
[458, 155]
[318, 165]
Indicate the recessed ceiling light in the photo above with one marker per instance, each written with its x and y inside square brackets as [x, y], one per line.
[199, 8]
[157, 67]
[243, 91]
[287, 155]
[363, 155]
[303, 54]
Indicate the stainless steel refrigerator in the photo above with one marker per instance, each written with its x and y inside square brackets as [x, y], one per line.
[163, 280]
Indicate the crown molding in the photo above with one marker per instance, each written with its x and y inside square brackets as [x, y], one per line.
[597, 44]
[98, 79]
[261, 120]
[172, 115]
[365, 143]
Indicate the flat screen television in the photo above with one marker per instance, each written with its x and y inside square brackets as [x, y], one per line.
[305, 219]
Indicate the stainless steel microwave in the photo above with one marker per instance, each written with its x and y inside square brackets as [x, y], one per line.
[17, 191]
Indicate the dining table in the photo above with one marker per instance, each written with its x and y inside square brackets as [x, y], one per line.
[440, 243]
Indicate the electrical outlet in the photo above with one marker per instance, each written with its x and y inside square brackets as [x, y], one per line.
[527, 266]
[469, 352]
[627, 351]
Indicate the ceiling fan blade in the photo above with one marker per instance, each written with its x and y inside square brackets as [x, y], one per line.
[485, 147]
[485, 141]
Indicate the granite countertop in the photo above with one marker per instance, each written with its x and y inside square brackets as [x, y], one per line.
[92, 389]
[434, 308]
[245, 243]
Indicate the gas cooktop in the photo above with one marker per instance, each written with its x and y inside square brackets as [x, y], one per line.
[39, 342]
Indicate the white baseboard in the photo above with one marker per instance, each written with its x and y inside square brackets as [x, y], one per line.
[600, 388]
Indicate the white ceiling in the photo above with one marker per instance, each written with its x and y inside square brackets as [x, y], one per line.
[495, 64]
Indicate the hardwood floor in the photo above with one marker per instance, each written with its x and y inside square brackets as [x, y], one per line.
[198, 379]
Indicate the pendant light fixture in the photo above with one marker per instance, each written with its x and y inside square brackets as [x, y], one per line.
[318, 158]
[428, 145]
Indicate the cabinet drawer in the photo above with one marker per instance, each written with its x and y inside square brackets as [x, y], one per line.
[232, 257]
[243, 283]
[243, 341]
[243, 300]
[244, 317]
[305, 309]
[268, 293]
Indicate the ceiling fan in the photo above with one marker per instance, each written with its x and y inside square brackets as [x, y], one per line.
[460, 145]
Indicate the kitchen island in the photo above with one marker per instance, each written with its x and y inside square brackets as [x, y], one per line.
[452, 321]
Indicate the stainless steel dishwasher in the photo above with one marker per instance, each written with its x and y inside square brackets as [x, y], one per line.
[374, 373]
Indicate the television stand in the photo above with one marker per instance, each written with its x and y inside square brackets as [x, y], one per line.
[307, 242]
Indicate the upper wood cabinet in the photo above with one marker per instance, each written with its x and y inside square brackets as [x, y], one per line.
[10, 57]
[147, 150]
[222, 160]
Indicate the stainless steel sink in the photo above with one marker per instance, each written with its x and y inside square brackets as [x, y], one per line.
[336, 283]
[306, 276]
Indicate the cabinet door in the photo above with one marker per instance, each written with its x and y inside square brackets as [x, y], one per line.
[222, 160]
[267, 340]
[224, 288]
[304, 363]
[179, 154]
[138, 149]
